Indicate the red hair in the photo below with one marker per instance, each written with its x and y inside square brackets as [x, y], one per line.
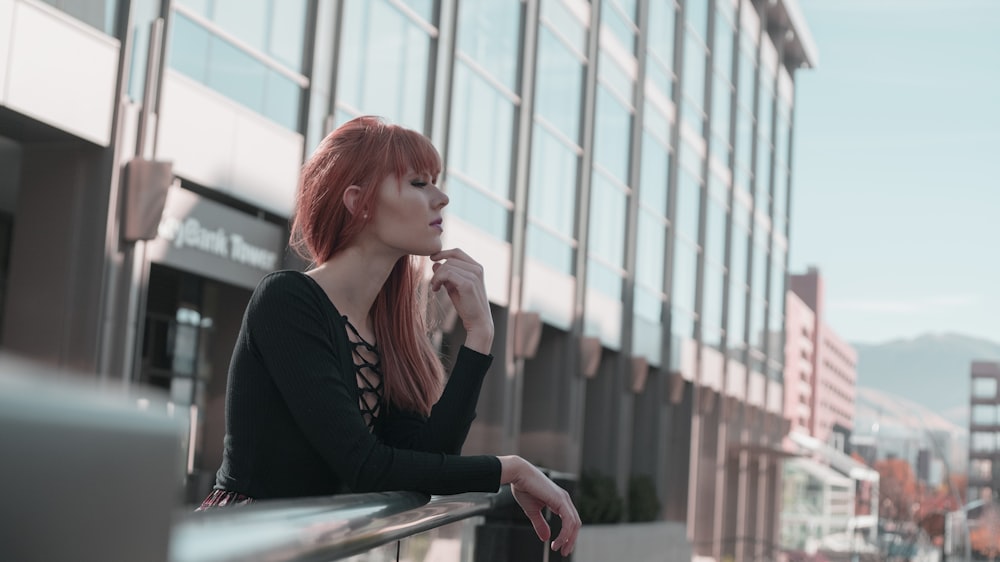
[363, 152]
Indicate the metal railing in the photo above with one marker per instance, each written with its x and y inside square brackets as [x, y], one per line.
[319, 529]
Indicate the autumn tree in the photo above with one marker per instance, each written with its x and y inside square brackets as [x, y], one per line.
[899, 492]
[984, 532]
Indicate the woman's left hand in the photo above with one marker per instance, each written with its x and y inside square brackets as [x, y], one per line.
[462, 277]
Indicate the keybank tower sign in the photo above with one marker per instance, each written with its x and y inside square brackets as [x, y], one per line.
[210, 239]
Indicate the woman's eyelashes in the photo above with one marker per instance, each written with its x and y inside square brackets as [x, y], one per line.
[423, 182]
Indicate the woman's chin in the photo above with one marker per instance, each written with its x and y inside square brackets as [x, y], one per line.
[428, 250]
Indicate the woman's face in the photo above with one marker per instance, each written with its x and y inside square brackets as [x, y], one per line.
[408, 216]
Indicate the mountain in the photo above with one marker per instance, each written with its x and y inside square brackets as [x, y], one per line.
[931, 370]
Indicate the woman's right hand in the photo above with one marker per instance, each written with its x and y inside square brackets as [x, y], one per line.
[534, 491]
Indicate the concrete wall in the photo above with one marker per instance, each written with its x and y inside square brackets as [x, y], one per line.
[635, 542]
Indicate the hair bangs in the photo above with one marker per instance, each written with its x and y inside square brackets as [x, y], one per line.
[411, 152]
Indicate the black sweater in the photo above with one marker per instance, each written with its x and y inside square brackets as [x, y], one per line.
[293, 424]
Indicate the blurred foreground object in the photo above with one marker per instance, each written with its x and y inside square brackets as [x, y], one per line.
[87, 473]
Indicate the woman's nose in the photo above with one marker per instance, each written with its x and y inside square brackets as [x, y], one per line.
[442, 199]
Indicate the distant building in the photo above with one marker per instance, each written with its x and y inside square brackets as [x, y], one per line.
[834, 364]
[984, 426]
[800, 326]
[826, 492]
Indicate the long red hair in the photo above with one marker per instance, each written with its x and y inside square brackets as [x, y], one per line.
[363, 152]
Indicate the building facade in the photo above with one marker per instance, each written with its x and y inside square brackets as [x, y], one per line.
[621, 168]
[834, 367]
[984, 428]
[800, 323]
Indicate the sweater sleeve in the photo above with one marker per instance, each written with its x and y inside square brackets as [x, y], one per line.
[448, 425]
[292, 338]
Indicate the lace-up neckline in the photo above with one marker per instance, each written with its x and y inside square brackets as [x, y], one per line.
[368, 372]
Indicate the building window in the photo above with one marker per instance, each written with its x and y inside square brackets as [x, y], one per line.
[384, 63]
[556, 150]
[99, 14]
[484, 105]
[983, 442]
[244, 54]
[984, 414]
[984, 387]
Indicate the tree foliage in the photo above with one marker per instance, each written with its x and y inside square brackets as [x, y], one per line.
[899, 492]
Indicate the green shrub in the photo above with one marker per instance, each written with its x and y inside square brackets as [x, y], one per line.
[598, 500]
[643, 503]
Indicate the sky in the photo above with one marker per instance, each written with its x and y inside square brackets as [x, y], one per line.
[896, 166]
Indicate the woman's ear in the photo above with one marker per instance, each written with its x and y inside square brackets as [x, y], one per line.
[350, 198]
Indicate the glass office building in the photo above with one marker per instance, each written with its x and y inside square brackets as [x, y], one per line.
[621, 168]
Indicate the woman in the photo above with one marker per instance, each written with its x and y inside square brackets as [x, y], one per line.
[334, 385]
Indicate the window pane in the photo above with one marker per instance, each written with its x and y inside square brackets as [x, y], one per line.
[746, 81]
[611, 135]
[737, 315]
[757, 332]
[722, 51]
[694, 71]
[688, 205]
[650, 251]
[560, 80]
[607, 221]
[653, 175]
[481, 127]
[99, 14]
[776, 302]
[648, 305]
[603, 279]
[660, 34]
[288, 29]
[477, 208]
[744, 139]
[423, 8]
[711, 305]
[236, 74]
[488, 32]
[281, 99]
[758, 286]
[983, 414]
[550, 250]
[715, 231]
[697, 16]
[614, 77]
[384, 63]
[189, 48]
[647, 333]
[201, 7]
[554, 13]
[721, 97]
[685, 275]
[246, 19]
[984, 388]
[659, 78]
[738, 256]
[619, 27]
[553, 183]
